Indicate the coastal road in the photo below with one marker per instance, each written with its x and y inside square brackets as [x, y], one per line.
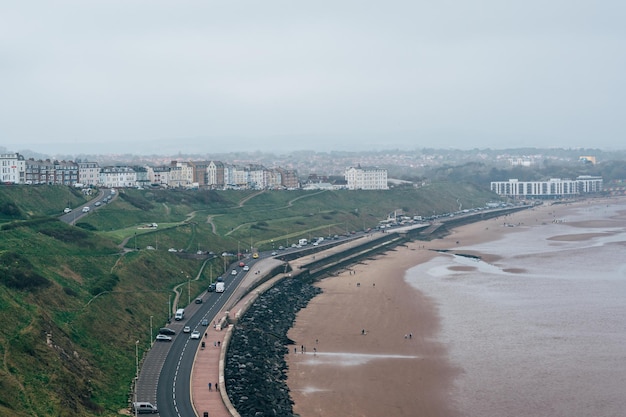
[165, 375]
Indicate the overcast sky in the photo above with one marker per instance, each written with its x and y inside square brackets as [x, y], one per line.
[272, 75]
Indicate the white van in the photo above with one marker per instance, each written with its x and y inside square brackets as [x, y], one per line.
[144, 408]
[180, 314]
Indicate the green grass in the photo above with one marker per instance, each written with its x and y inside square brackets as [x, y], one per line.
[96, 299]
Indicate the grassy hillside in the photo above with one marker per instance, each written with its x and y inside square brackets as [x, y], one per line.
[73, 302]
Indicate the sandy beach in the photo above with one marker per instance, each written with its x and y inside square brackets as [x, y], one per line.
[368, 346]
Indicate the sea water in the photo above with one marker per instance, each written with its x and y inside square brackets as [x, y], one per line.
[542, 330]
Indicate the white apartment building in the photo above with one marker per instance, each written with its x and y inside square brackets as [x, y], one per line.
[88, 173]
[235, 176]
[256, 177]
[366, 178]
[113, 177]
[553, 188]
[12, 168]
[181, 174]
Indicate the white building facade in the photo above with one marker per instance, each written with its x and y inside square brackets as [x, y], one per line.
[553, 188]
[88, 173]
[113, 177]
[366, 178]
[12, 168]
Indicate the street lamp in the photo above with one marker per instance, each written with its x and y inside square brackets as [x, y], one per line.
[136, 360]
[136, 372]
[169, 308]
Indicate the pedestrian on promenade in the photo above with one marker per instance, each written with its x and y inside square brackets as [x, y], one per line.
[210, 387]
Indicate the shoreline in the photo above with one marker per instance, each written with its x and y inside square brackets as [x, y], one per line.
[399, 365]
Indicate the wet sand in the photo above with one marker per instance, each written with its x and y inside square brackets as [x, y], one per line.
[370, 340]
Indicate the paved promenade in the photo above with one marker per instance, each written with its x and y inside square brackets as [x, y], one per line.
[206, 368]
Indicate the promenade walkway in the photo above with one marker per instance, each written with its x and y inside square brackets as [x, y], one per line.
[206, 368]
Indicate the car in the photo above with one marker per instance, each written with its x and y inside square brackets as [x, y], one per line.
[86, 209]
[234, 272]
[186, 329]
[198, 300]
[97, 204]
[274, 253]
[255, 255]
[163, 338]
[67, 210]
[172, 250]
[167, 331]
[211, 288]
[281, 248]
[143, 408]
[195, 335]
[241, 264]
[246, 268]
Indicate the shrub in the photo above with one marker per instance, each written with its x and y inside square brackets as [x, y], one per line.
[17, 272]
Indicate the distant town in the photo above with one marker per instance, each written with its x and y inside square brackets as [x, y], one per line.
[302, 170]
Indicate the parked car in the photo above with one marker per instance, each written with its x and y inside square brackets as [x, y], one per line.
[86, 209]
[163, 338]
[97, 204]
[67, 210]
[167, 331]
[274, 253]
[195, 335]
[186, 329]
[144, 408]
[198, 300]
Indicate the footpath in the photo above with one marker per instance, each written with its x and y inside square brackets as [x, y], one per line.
[208, 393]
